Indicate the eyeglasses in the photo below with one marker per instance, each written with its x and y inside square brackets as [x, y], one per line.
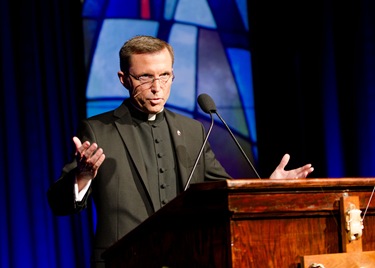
[149, 79]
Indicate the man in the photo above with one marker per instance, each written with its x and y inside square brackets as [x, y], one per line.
[149, 150]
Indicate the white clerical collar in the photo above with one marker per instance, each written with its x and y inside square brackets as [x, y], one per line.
[152, 117]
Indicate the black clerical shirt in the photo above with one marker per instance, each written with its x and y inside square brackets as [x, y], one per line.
[154, 140]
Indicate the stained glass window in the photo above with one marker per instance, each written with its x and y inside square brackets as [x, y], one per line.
[212, 55]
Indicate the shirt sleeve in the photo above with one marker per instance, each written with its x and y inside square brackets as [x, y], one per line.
[80, 194]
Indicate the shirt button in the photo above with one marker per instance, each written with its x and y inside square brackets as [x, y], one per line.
[164, 202]
[163, 186]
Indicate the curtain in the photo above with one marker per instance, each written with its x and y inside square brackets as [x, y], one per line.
[313, 72]
[42, 92]
[314, 84]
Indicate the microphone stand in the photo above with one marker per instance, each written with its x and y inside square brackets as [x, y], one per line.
[200, 152]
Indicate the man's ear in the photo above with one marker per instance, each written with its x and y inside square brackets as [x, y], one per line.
[124, 79]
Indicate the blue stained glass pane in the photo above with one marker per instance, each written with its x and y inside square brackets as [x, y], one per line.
[157, 9]
[98, 107]
[177, 110]
[240, 60]
[169, 10]
[242, 7]
[215, 78]
[183, 38]
[90, 28]
[235, 40]
[196, 12]
[231, 21]
[103, 81]
[92, 8]
[123, 9]
[227, 152]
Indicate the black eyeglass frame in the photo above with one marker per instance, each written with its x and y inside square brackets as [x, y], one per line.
[139, 78]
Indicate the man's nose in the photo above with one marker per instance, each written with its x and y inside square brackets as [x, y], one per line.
[156, 84]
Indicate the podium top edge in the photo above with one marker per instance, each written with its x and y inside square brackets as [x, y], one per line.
[244, 183]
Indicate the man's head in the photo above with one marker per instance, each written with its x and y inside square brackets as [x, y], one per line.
[146, 66]
[141, 44]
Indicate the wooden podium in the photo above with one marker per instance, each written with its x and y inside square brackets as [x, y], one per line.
[247, 223]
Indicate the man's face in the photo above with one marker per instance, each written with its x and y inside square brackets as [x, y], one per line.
[156, 69]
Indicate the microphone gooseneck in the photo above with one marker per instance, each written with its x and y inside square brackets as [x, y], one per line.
[210, 107]
[201, 150]
[239, 146]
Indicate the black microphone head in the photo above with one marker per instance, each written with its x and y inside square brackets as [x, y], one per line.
[206, 103]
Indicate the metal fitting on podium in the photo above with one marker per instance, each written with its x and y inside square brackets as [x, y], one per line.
[354, 223]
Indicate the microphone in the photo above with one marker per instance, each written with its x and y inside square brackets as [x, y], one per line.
[207, 107]
[210, 107]
[206, 103]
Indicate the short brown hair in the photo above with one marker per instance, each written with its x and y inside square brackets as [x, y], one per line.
[141, 44]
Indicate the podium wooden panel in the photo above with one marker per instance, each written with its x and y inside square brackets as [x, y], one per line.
[246, 223]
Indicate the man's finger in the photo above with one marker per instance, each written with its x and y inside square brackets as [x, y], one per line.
[284, 161]
[77, 142]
